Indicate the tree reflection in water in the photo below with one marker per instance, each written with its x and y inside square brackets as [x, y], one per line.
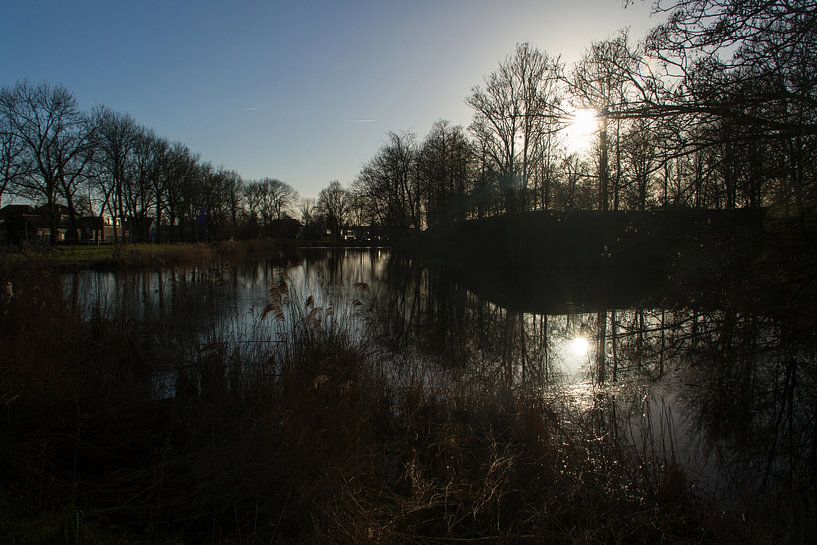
[720, 387]
[717, 386]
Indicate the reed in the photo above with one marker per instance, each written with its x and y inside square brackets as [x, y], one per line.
[304, 439]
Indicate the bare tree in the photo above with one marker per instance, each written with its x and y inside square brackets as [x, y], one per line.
[13, 161]
[750, 62]
[138, 188]
[519, 104]
[599, 81]
[275, 198]
[334, 204]
[53, 133]
[306, 209]
[388, 186]
[115, 140]
[444, 164]
[179, 184]
[640, 159]
[234, 194]
[162, 158]
[282, 196]
[252, 200]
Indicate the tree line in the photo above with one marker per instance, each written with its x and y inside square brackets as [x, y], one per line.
[104, 163]
[715, 108]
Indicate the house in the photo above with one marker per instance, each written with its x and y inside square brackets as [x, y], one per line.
[92, 229]
[368, 234]
[347, 235]
[62, 212]
[22, 223]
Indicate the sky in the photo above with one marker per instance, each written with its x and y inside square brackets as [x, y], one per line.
[303, 91]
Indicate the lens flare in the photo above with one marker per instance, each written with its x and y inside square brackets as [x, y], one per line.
[579, 347]
[581, 130]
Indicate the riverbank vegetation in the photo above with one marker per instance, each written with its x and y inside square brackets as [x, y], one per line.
[117, 256]
[310, 440]
[117, 430]
[119, 426]
[702, 113]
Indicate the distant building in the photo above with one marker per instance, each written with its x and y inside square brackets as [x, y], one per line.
[367, 234]
[20, 223]
[92, 229]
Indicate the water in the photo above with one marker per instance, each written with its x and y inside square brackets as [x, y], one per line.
[715, 385]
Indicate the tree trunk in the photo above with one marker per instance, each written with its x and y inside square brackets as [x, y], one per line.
[601, 351]
[72, 218]
[52, 221]
[604, 167]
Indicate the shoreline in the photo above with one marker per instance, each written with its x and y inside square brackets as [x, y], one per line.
[140, 255]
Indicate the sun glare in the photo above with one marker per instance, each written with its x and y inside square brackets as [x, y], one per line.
[579, 347]
[581, 129]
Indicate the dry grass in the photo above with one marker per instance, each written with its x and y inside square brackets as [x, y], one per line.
[306, 444]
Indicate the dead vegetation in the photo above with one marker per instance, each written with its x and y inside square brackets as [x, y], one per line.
[308, 443]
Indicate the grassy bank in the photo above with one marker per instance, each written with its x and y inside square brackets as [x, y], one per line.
[113, 256]
[306, 443]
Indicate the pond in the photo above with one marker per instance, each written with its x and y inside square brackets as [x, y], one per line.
[710, 383]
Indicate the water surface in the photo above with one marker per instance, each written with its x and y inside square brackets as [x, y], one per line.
[724, 390]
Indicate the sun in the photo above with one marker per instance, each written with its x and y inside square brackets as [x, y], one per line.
[582, 126]
[579, 346]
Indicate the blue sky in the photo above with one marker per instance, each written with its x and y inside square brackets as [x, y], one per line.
[301, 91]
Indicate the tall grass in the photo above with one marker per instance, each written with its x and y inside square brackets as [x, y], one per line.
[303, 441]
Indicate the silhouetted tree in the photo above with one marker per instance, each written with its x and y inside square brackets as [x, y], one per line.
[388, 186]
[273, 198]
[114, 142]
[53, 133]
[444, 164]
[519, 105]
[599, 81]
[13, 166]
[334, 204]
[234, 196]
